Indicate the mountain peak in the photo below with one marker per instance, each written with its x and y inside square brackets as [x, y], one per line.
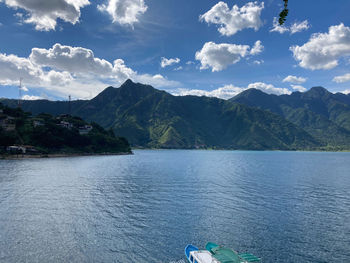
[250, 94]
[317, 91]
[128, 82]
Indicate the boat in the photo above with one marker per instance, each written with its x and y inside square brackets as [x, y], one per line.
[194, 255]
[228, 255]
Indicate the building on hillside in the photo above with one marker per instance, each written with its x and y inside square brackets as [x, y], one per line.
[22, 149]
[83, 130]
[7, 123]
[15, 149]
[38, 123]
[62, 116]
[66, 124]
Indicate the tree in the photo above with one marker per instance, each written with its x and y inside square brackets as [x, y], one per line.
[284, 13]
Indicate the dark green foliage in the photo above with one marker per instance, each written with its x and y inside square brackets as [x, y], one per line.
[326, 116]
[152, 118]
[155, 119]
[50, 137]
[283, 15]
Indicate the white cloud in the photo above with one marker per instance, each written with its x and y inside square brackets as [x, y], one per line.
[323, 50]
[31, 97]
[294, 79]
[346, 92]
[157, 80]
[124, 12]
[236, 19]
[25, 89]
[71, 70]
[80, 61]
[44, 13]
[13, 68]
[72, 59]
[298, 88]
[225, 92]
[220, 56]
[190, 62]
[268, 88]
[257, 48]
[168, 62]
[299, 26]
[277, 27]
[343, 78]
[258, 62]
[294, 28]
[229, 91]
[178, 68]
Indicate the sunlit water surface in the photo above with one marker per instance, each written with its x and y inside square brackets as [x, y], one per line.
[281, 206]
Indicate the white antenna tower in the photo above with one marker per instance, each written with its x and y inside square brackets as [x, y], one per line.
[20, 92]
[69, 104]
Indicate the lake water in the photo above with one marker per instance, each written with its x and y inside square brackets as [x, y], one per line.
[281, 206]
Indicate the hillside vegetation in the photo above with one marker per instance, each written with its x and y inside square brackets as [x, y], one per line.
[253, 120]
[45, 133]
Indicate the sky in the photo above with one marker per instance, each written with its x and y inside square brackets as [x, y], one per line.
[186, 47]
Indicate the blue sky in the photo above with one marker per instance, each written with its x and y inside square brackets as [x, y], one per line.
[79, 47]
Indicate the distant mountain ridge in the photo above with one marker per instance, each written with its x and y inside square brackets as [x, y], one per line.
[253, 120]
[324, 115]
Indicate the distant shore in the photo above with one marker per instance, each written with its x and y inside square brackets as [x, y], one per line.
[56, 155]
[250, 150]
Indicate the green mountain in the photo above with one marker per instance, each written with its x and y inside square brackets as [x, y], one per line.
[324, 115]
[148, 117]
[63, 134]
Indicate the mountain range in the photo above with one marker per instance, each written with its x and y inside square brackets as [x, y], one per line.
[253, 120]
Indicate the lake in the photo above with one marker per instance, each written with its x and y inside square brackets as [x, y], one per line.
[146, 207]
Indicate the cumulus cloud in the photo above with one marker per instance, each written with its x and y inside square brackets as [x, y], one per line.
[168, 62]
[31, 97]
[268, 88]
[220, 56]
[124, 12]
[44, 14]
[298, 88]
[13, 68]
[257, 48]
[299, 26]
[225, 92]
[229, 91]
[294, 79]
[323, 50]
[231, 21]
[294, 28]
[343, 78]
[79, 60]
[71, 70]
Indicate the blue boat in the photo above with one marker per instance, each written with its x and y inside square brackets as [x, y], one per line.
[188, 249]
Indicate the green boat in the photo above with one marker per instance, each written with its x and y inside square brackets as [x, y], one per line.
[228, 255]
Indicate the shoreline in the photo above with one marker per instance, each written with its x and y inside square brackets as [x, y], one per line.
[57, 155]
[223, 149]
